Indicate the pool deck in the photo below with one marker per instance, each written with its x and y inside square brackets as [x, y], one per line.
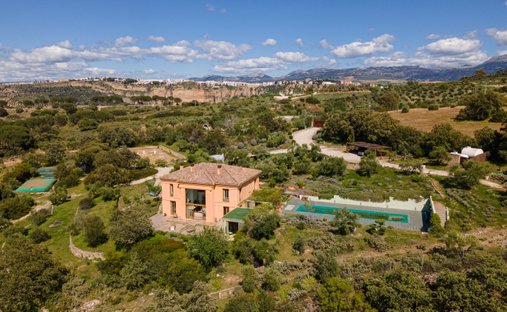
[415, 216]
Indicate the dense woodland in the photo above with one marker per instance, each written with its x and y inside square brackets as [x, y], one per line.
[276, 263]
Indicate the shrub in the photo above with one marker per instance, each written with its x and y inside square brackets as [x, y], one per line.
[345, 222]
[405, 109]
[210, 247]
[129, 227]
[325, 266]
[38, 235]
[15, 207]
[299, 244]
[250, 277]
[261, 223]
[376, 242]
[271, 280]
[93, 229]
[59, 196]
[86, 203]
[312, 100]
[40, 216]
[433, 107]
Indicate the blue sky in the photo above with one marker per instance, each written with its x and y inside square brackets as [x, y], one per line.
[170, 39]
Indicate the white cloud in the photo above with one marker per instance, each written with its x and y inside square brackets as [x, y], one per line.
[432, 36]
[325, 44]
[52, 53]
[122, 41]
[221, 50]
[331, 62]
[156, 39]
[300, 43]
[269, 42]
[429, 60]
[262, 64]
[293, 57]
[212, 8]
[258, 64]
[99, 71]
[149, 71]
[443, 53]
[452, 45]
[179, 52]
[65, 44]
[381, 43]
[499, 35]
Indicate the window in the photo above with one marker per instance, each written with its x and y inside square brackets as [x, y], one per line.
[226, 195]
[226, 210]
[171, 190]
[173, 207]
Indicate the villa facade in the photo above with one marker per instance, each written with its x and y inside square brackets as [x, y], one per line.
[207, 191]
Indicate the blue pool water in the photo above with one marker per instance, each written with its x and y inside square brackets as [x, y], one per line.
[364, 214]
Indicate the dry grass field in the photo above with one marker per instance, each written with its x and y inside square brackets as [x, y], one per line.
[423, 119]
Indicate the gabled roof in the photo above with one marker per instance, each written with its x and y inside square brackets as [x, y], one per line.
[213, 174]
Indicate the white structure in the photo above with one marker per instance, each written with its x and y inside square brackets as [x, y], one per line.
[471, 152]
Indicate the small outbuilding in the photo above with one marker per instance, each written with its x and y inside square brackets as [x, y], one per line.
[469, 153]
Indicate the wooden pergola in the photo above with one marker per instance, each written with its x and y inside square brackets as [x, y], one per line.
[364, 146]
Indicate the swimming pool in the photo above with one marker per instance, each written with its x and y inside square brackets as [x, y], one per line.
[365, 214]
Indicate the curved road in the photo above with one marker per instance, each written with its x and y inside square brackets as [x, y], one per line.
[305, 136]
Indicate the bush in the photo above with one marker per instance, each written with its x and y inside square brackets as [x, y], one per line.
[331, 167]
[325, 266]
[435, 225]
[38, 235]
[15, 207]
[376, 242]
[345, 222]
[312, 100]
[3, 112]
[261, 223]
[129, 227]
[93, 229]
[210, 247]
[299, 244]
[250, 277]
[405, 109]
[40, 216]
[433, 107]
[86, 203]
[271, 279]
[59, 196]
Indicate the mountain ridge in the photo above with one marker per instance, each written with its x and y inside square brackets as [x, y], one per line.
[405, 72]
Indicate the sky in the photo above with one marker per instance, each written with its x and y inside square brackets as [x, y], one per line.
[151, 39]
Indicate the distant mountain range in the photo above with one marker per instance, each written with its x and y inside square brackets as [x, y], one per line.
[415, 73]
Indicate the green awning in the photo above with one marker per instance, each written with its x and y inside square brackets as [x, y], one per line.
[237, 215]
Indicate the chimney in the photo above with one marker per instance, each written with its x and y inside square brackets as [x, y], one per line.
[219, 169]
[191, 167]
[181, 167]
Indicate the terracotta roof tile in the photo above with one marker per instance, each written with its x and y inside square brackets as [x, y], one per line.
[211, 174]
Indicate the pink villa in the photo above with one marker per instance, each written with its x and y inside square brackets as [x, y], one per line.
[207, 191]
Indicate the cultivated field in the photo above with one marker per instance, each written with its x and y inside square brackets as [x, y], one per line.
[424, 119]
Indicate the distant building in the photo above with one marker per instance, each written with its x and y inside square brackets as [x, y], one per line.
[207, 191]
[469, 153]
